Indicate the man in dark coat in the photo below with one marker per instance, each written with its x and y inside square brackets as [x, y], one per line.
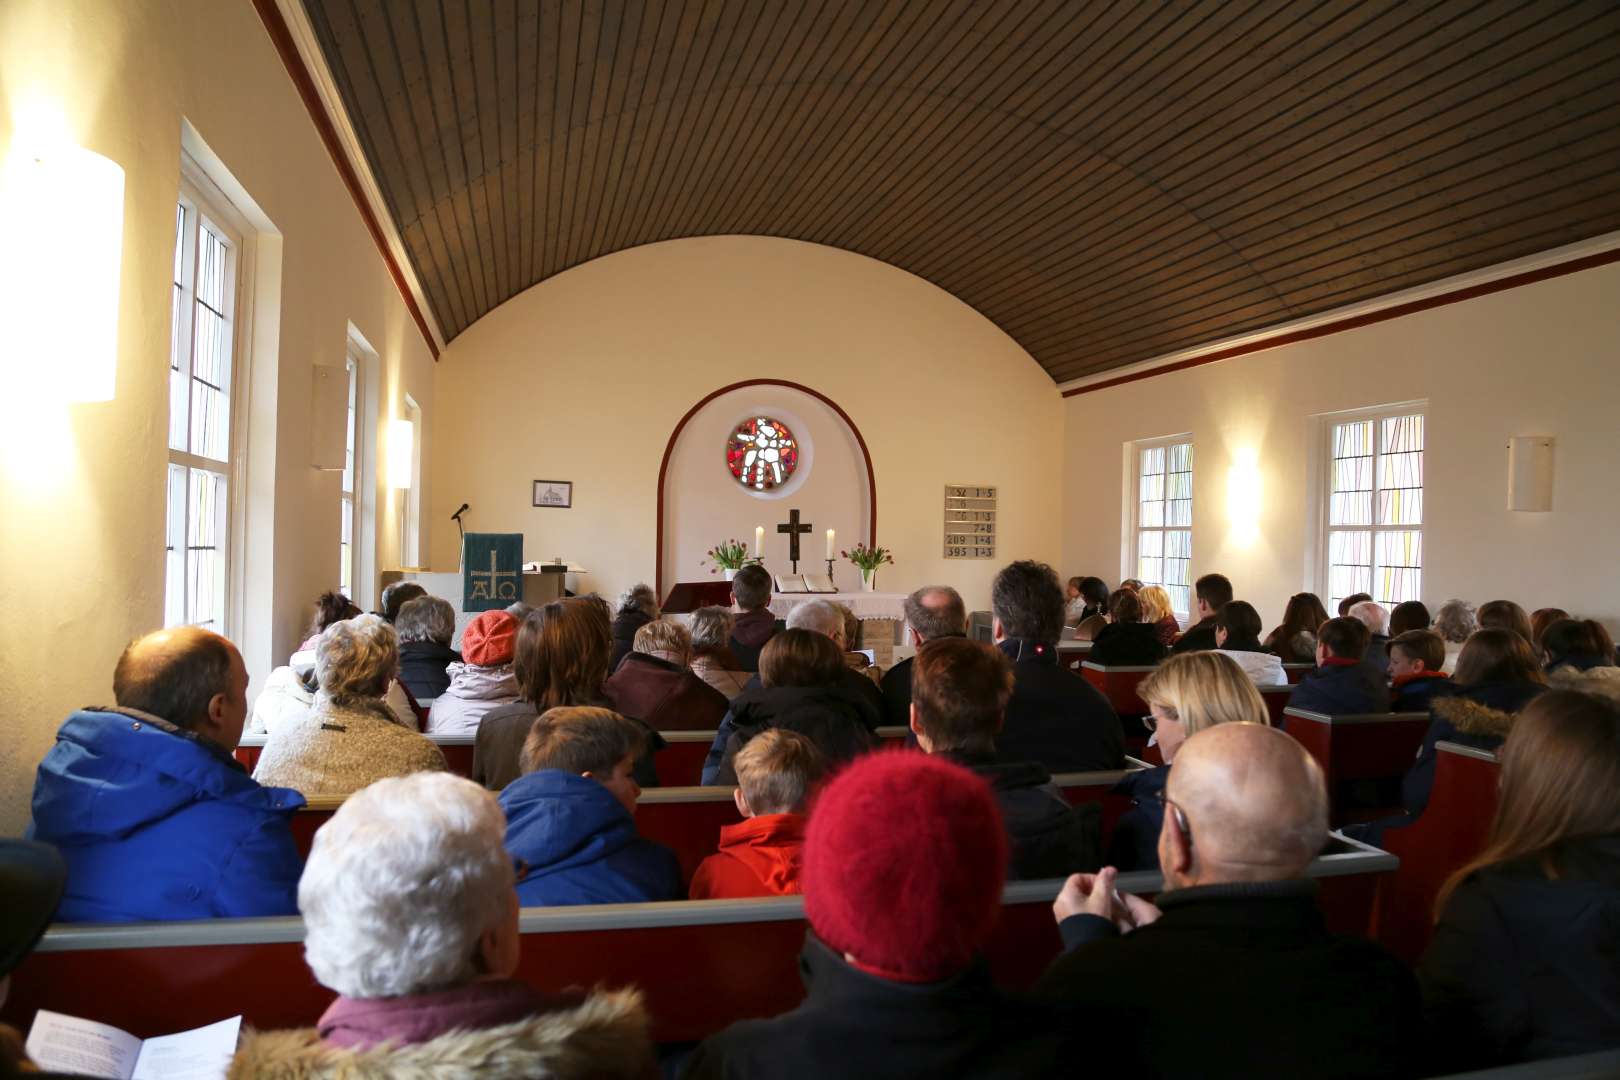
[932, 612]
[960, 693]
[755, 625]
[656, 684]
[1234, 972]
[1343, 683]
[1209, 592]
[894, 982]
[1055, 717]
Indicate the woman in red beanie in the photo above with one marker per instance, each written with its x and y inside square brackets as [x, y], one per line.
[904, 861]
[483, 681]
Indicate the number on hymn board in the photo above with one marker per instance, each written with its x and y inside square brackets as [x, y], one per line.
[970, 521]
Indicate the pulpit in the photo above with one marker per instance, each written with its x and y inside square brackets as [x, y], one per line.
[687, 596]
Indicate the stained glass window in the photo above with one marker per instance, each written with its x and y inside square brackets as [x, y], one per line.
[1164, 520]
[762, 453]
[1375, 509]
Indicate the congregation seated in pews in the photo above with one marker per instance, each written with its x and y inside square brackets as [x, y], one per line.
[155, 821]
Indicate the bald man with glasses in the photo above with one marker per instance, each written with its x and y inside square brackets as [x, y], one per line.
[1233, 972]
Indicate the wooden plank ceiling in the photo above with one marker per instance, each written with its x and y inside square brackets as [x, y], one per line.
[1107, 182]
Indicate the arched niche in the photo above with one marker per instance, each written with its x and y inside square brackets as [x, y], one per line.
[700, 504]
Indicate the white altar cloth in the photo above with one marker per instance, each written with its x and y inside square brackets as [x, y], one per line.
[865, 605]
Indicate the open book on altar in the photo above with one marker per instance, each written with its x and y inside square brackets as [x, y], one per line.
[805, 583]
[69, 1044]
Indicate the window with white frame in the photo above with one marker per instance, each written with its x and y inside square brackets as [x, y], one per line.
[1374, 518]
[1163, 525]
[346, 546]
[202, 370]
[411, 550]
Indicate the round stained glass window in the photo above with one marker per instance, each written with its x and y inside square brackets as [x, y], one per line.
[762, 453]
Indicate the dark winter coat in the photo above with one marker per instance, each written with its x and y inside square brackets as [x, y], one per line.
[1055, 717]
[897, 694]
[841, 721]
[1523, 967]
[666, 696]
[1050, 838]
[581, 845]
[1200, 637]
[749, 633]
[1273, 993]
[1135, 842]
[1127, 645]
[156, 823]
[855, 1024]
[625, 625]
[1414, 693]
[1342, 687]
[422, 668]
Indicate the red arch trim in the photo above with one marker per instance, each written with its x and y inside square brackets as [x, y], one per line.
[669, 450]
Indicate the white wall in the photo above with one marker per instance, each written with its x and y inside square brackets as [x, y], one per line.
[828, 488]
[1542, 359]
[81, 492]
[584, 377]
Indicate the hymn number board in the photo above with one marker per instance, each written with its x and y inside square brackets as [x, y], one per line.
[970, 522]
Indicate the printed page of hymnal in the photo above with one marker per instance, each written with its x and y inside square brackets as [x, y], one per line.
[74, 1045]
[791, 583]
[819, 583]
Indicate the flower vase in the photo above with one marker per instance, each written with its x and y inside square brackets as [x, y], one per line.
[731, 575]
[869, 580]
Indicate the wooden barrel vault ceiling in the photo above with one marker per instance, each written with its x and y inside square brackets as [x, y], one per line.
[1107, 182]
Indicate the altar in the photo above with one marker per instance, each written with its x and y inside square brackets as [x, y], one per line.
[865, 605]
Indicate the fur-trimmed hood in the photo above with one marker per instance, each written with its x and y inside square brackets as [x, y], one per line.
[1485, 710]
[604, 1036]
[1472, 718]
[1601, 681]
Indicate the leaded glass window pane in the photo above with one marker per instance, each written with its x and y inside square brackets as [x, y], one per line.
[1375, 509]
[1164, 519]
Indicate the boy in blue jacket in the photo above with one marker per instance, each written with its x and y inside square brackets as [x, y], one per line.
[1343, 683]
[154, 817]
[570, 818]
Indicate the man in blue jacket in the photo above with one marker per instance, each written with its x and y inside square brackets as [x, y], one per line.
[570, 817]
[153, 815]
[1343, 683]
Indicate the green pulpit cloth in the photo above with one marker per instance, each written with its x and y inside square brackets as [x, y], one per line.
[492, 570]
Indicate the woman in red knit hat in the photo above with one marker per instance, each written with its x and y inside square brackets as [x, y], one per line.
[904, 860]
[482, 681]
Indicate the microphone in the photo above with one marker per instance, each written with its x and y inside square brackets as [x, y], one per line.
[457, 515]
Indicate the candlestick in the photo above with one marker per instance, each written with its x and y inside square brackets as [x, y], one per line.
[759, 539]
[830, 535]
[829, 570]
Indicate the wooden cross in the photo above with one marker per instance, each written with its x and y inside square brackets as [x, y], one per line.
[793, 529]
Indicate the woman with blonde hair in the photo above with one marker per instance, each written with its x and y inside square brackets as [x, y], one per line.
[1157, 614]
[1186, 694]
[1523, 965]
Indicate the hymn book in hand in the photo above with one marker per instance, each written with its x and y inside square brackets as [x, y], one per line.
[72, 1045]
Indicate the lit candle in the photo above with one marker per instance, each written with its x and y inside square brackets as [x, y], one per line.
[830, 535]
[759, 539]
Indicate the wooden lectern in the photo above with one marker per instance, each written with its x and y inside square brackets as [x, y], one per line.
[688, 596]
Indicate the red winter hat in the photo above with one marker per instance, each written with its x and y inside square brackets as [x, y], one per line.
[489, 639]
[904, 859]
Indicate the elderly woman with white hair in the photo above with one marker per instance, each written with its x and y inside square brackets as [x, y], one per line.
[1456, 623]
[638, 606]
[350, 737]
[712, 658]
[411, 915]
[425, 627]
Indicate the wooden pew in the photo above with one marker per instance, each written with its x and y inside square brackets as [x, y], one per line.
[1071, 653]
[1276, 699]
[1362, 748]
[1118, 685]
[1297, 672]
[1453, 829]
[689, 819]
[702, 964]
[457, 749]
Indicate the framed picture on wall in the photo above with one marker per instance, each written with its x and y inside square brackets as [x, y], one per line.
[554, 493]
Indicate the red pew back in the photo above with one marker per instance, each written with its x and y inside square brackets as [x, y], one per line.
[1375, 746]
[702, 964]
[1454, 828]
[1118, 685]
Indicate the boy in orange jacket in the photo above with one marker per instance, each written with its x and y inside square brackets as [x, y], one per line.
[760, 855]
